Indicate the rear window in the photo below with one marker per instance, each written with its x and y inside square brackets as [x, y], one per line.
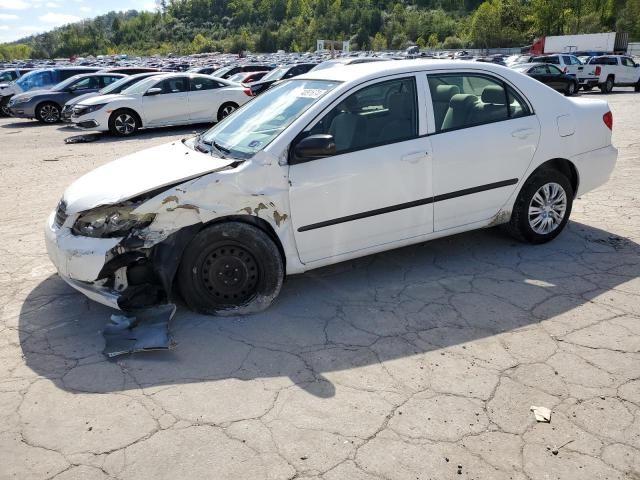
[552, 60]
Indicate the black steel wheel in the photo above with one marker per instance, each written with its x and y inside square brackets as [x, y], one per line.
[232, 268]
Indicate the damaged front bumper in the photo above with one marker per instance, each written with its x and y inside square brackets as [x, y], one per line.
[79, 260]
[122, 272]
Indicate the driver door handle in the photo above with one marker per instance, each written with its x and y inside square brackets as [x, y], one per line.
[413, 157]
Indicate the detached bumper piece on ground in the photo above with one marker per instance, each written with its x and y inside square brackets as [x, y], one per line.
[139, 331]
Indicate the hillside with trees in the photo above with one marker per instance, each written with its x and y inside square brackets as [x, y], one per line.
[198, 26]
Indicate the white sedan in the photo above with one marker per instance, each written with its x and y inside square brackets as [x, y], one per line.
[161, 100]
[326, 167]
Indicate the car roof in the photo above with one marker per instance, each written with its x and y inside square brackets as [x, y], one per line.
[99, 74]
[372, 70]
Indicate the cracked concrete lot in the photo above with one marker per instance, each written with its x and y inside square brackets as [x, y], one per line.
[420, 363]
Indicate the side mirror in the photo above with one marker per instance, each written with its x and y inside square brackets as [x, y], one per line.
[313, 147]
[153, 91]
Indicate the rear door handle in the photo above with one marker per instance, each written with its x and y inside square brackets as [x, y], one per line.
[413, 157]
[522, 133]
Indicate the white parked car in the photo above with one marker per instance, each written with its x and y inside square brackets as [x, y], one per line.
[161, 100]
[326, 167]
[616, 71]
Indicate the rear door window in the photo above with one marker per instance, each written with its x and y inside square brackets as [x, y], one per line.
[467, 100]
[200, 84]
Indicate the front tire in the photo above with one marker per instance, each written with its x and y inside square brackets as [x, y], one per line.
[542, 208]
[230, 268]
[571, 89]
[226, 109]
[123, 123]
[637, 87]
[48, 112]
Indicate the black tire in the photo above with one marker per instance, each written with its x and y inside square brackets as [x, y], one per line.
[571, 89]
[124, 122]
[520, 225]
[637, 87]
[587, 88]
[48, 112]
[226, 109]
[607, 86]
[230, 268]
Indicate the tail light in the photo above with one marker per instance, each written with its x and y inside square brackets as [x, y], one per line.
[598, 70]
[607, 118]
[248, 92]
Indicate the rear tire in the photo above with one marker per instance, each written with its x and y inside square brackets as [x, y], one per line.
[226, 109]
[607, 86]
[124, 123]
[48, 112]
[230, 268]
[542, 208]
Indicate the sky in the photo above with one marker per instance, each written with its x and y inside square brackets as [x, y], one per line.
[21, 18]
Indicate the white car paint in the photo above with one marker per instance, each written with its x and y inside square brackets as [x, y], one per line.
[176, 108]
[426, 170]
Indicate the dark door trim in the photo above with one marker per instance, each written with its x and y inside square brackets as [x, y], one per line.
[412, 204]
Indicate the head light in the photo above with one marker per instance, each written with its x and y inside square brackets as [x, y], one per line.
[21, 100]
[92, 108]
[114, 221]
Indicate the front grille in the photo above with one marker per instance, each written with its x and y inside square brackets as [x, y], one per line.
[61, 214]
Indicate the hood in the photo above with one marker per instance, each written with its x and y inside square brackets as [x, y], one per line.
[98, 99]
[139, 173]
[82, 97]
[35, 93]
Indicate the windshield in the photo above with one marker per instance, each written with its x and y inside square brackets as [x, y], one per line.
[221, 71]
[35, 79]
[261, 120]
[140, 87]
[65, 83]
[118, 86]
[275, 74]
[327, 64]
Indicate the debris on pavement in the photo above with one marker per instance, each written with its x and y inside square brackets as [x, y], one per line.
[139, 330]
[542, 414]
[86, 138]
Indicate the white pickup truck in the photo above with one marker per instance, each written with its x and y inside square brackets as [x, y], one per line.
[571, 65]
[616, 71]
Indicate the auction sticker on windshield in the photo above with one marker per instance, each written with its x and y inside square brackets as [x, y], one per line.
[311, 93]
